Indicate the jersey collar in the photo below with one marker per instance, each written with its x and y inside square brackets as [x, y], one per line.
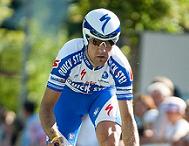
[88, 63]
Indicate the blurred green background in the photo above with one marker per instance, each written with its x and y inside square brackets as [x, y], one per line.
[32, 32]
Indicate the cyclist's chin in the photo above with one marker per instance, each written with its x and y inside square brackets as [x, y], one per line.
[101, 61]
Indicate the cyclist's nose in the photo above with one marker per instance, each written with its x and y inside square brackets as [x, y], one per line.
[102, 47]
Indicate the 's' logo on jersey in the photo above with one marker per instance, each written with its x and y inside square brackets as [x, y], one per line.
[109, 109]
[56, 63]
[83, 73]
[104, 18]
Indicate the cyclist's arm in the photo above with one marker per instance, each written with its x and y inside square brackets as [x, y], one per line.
[129, 128]
[46, 112]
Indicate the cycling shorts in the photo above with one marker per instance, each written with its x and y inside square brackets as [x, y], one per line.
[72, 106]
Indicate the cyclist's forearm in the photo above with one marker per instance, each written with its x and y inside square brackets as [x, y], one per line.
[129, 127]
[130, 133]
[47, 120]
[46, 112]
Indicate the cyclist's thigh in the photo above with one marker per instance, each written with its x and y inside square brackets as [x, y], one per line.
[68, 115]
[105, 108]
[108, 133]
[106, 117]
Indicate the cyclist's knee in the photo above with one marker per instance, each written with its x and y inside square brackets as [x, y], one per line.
[108, 133]
[111, 140]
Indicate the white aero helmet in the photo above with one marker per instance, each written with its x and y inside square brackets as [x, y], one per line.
[101, 24]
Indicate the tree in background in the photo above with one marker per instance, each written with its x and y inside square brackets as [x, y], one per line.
[10, 59]
[29, 40]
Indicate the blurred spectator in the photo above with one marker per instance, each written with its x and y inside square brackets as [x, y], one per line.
[2, 124]
[17, 128]
[184, 141]
[187, 110]
[165, 80]
[177, 92]
[32, 134]
[6, 123]
[178, 126]
[145, 113]
[159, 91]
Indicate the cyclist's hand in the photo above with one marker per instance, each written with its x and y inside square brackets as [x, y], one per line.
[51, 144]
[57, 141]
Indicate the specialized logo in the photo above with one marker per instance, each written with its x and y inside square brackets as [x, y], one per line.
[83, 73]
[109, 109]
[104, 18]
[56, 63]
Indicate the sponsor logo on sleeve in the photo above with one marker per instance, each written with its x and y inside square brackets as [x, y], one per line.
[118, 73]
[69, 63]
[56, 63]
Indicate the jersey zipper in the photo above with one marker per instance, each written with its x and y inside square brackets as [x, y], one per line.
[90, 82]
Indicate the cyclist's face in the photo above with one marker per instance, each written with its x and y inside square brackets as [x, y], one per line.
[99, 51]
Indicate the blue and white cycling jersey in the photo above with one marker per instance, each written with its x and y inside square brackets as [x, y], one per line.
[73, 69]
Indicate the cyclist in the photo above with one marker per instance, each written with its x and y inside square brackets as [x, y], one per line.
[90, 75]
